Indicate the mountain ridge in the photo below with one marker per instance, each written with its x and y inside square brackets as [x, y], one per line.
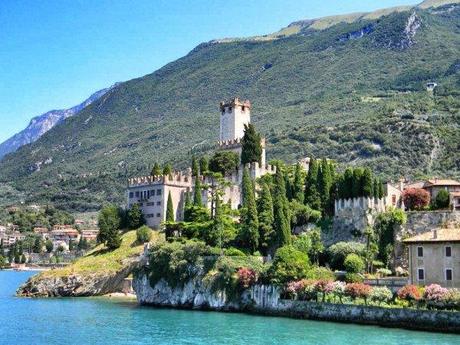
[359, 99]
[41, 124]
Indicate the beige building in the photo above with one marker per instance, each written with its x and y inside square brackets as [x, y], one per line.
[151, 192]
[434, 257]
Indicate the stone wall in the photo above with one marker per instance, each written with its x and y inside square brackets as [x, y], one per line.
[265, 299]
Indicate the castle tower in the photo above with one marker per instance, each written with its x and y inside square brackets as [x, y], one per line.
[234, 115]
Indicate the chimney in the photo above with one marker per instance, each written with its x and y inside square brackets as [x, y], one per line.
[435, 234]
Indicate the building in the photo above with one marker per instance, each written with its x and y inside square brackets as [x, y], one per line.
[61, 235]
[10, 238]
[89, 235]
[151, 192]
[434, 257]
[433, 186]
[42, 231]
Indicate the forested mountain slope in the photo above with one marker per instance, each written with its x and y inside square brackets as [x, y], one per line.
[354, 91]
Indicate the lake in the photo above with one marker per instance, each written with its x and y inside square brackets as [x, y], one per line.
[109, 321]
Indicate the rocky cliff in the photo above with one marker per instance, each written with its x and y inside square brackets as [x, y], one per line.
[75, 285]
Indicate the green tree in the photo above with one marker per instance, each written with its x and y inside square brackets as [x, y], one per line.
[353, 263]
[23, 259]
[324, 183]
[442, 200]
[357, 187]
[224, 162]
[381, 189]
[367, 183]
[83, 244]
[197, 201]
[266, 219]
[170, 209]
[143, 234]
[281, 212]
[251, 150]
[2, 261]
[167, 170]
[375, 188]
[109, 225]
[204, 165]
[49, 246]
[249, 235]
[38, 245]
[317, 246]
[347, 184]
[135, 217]
[156, 170]
[298, 186]
[312, 197]
[195, 168]
[385, 225]
[289, 265]
[187, 206]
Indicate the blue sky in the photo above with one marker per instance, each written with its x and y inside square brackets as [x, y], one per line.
[54, 54]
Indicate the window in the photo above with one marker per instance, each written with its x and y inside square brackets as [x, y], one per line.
[137, 194]
[152, 192]
[448, 252]
[158, 203]
[149, 215]
[150, 204]
[158, 191]
[421, 274]
[158, 215]
[141, 204]
[448, 274]
[131, 195]
[420, 252]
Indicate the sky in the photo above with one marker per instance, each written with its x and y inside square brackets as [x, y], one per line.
[54, 54]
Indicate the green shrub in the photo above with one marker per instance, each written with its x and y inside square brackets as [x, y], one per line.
[289, 264]
[339, 251]
[354, 264]
[354, 278]
[381, 294]
[143, 234]
[442, 200]
[321, 273]
[234, 252]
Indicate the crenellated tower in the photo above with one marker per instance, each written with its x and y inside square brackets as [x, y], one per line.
[234, 115]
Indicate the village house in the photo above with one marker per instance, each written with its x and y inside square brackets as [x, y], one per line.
[90, 234]
[61, 235]
[151, 192]
[42, 231]
[435, 185]
[434, 257]
[10, 238]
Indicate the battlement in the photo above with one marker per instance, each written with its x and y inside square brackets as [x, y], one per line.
[361, 203]
[176, 178]
[234, 103]
[229, 144]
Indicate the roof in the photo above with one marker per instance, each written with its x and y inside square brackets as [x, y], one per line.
[442, 235]
[455, 194]
[438, 182]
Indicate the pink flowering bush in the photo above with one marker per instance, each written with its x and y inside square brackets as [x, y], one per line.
[246, 277]
[323, 286]
[434, 293]
[451, 299]
[337, 289]
[410, 293]
[358, 290]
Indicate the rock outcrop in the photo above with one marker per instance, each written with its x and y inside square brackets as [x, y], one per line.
[76, 285]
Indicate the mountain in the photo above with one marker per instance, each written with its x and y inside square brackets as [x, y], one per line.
[41, 124]
[353, 90]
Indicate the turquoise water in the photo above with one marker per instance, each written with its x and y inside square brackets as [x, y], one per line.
[103, 321]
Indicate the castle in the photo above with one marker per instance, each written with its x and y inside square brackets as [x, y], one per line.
[151, 192]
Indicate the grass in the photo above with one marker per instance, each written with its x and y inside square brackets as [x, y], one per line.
[99, 260]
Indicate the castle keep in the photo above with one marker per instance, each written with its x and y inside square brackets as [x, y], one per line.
[151, 192]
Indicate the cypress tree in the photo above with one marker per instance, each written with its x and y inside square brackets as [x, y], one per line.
[375, 188]
[204, 165]
[298, 188]
[289, 187]
[135, 217]
[170, 209]
[167, 170]
[357, 187]
[348, 183]
[324, 183]
[156, 170]
[266, 219]
[187, 206]
[195, 168]
[312, 197]
[282, 222]
[249, 221]
[381, 189]
[251, 150]
[367, 183]
[197, 193]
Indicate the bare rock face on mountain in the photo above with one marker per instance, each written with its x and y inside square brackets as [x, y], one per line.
[43, 123]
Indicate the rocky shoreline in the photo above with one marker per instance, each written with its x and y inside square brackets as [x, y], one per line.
[75, 285]
[265, 300]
